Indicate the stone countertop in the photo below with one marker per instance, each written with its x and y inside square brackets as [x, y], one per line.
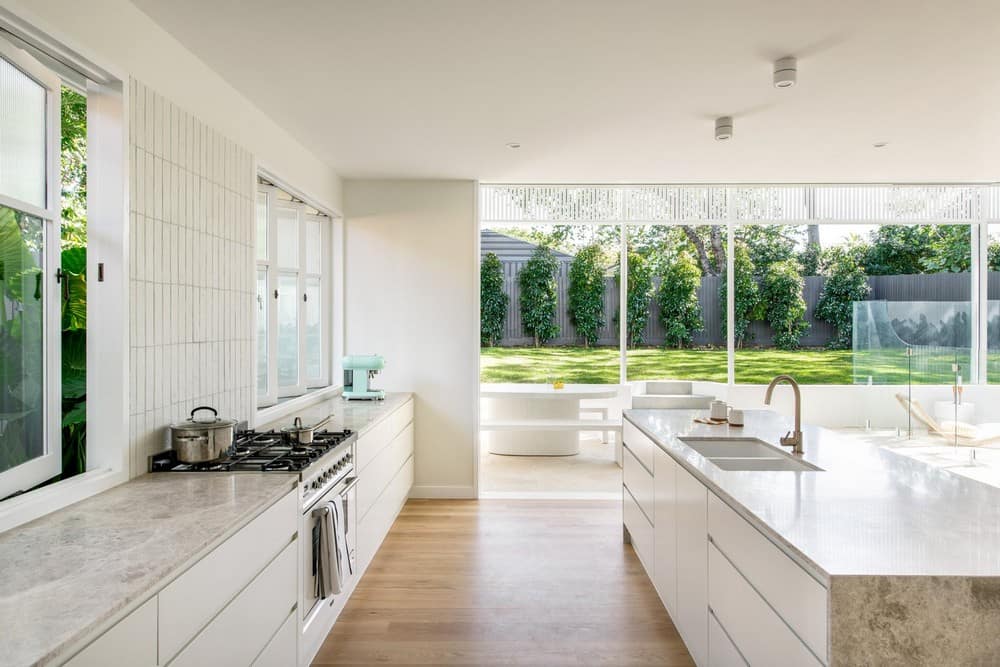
[358, 416]
[65, 575]
[870, 512]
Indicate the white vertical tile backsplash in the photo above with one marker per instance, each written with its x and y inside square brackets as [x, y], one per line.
[192, 281]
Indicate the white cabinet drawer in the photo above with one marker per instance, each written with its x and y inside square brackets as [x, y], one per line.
[382, 433]
[691, 617]
[377, 475]
[637, 442]
[639, 481]
[243, 629]
[372, 528]
[187, 604]
[798, 598]
[640, 530]
[721, 650]
[759, 634]
[130, 643]
[665, 528]
[282, 649]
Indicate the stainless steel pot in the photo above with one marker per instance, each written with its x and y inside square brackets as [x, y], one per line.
[201, 439]
[303, 435]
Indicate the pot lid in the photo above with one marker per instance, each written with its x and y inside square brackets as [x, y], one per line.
[202, 418]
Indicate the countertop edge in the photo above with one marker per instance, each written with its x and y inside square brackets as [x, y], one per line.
[69, 647]
[806, 563]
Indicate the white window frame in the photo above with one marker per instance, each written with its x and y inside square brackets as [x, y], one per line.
[276, 199]
[37, 470]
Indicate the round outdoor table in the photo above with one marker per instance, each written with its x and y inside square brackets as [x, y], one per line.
[535, 419]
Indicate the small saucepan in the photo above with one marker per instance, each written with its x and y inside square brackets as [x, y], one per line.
[303, 435]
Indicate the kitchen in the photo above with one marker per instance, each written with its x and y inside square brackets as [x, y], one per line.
[243, 537]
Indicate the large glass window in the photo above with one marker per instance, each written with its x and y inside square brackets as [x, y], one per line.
[853, 304]
[550, 298]
[676, 302]
[293, 296]
[30, 437]
[852, 284]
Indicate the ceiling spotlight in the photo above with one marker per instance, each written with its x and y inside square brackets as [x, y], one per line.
[513, 144]
[723, 128]
[785, 72]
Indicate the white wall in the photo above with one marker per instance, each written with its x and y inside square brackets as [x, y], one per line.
[411, 295]
[193, 143]
[115, 35]
[191, 272]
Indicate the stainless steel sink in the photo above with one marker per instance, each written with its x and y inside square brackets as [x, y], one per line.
[746, 454]
[783, 463]
[732, 447]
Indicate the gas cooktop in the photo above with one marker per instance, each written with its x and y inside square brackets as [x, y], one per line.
[267, 451]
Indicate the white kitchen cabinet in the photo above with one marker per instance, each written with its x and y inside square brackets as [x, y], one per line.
[243, 629]
[191, 600]
[639, 482]
[130, 643]
[281, 650]
[385, 476]
[795, 595]
[721, 650]
[640, 531]
[375, 477]
[691, 616]
[756, 630]
[665, 528]
[639, 443]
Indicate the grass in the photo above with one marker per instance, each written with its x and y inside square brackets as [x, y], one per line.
[753, 365]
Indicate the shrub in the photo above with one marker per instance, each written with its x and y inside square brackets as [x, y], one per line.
[747, 299]
[586, 293]
[845, 284]
[680, 311]
[537, 281]
[785, 307]
[640, 289]
[492, 300]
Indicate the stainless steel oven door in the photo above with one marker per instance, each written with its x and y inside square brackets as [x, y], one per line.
[312, 536]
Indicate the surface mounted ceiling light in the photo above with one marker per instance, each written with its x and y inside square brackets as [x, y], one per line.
[785, 72]
[513, 144]
[723, 128]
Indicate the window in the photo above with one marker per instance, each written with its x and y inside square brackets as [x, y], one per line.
[30, 439]
[293, 299]
[837, 284]
[677, 302]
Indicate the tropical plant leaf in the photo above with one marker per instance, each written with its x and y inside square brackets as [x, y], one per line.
[74, 383]
[74, 350]
[74, 260]
[78, 415]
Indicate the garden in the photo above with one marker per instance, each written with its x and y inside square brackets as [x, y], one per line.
[554, 314]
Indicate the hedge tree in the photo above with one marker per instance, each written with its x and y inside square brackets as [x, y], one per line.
[845, 284]
[492, 299]
[640, 289]
[537, 281]
[677, 297]
[586, 293]
[747, 295]
[785, 307]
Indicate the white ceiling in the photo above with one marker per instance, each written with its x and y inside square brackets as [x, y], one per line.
[616, 91]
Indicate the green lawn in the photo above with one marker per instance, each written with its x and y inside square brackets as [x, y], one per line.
[753, 366]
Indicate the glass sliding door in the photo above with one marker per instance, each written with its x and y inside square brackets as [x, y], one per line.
[30, 435]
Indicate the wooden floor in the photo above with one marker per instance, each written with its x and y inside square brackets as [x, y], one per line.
[502, 582]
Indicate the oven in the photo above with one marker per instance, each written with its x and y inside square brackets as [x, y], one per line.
[318, 547]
